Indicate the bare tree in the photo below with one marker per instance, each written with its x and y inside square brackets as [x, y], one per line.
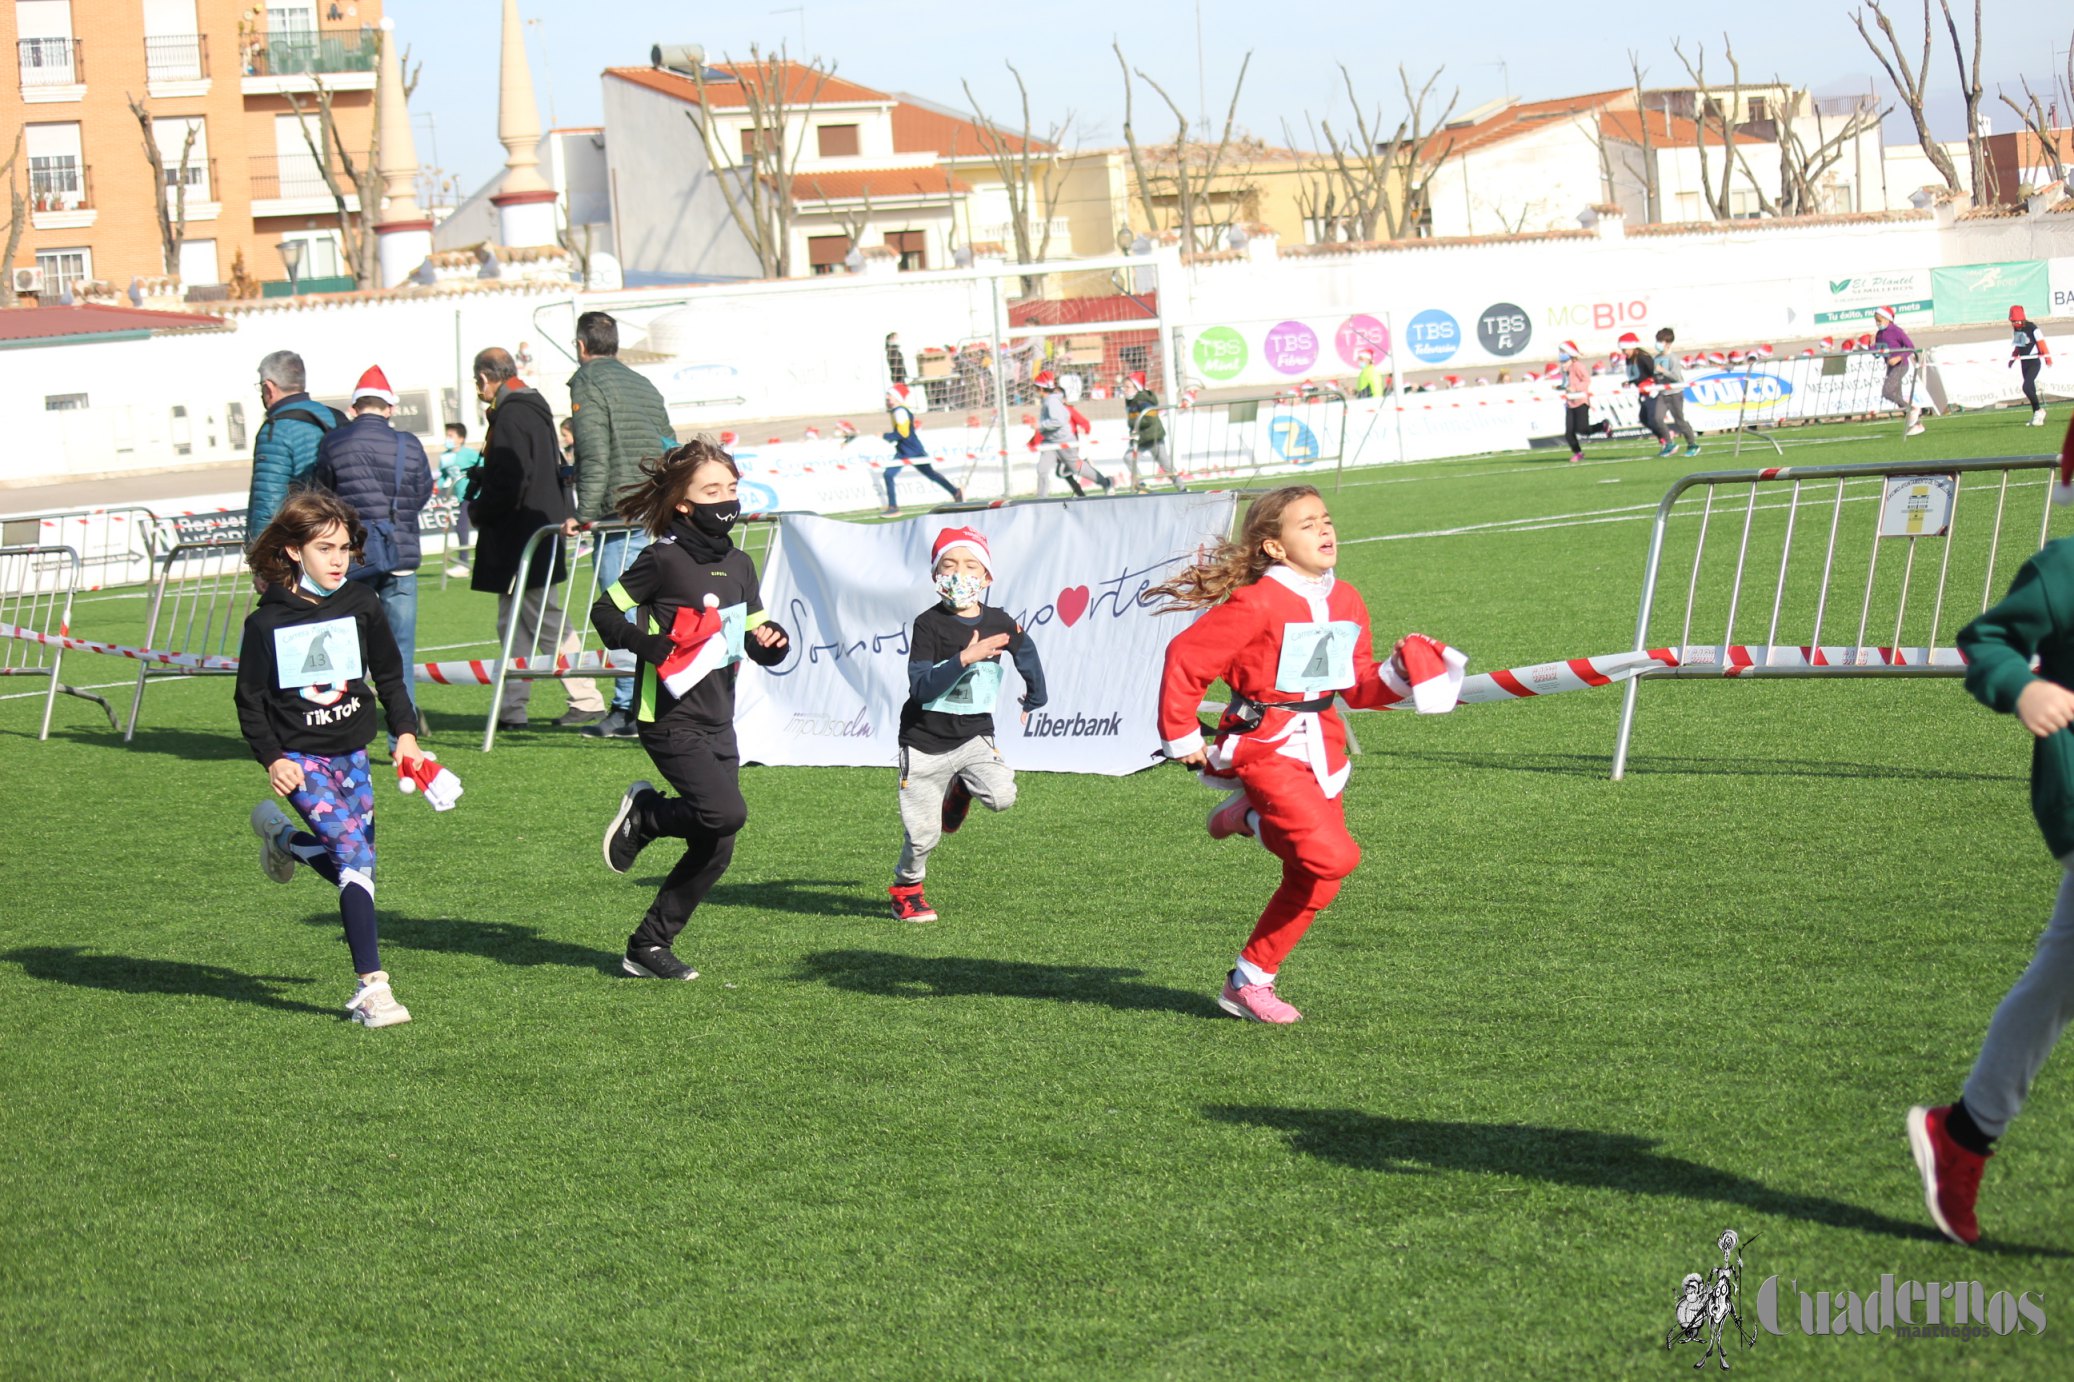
[1709, 111]
[169, 201]
[1591, 122]
[1802, 168]
[1030, 170]
[1980, 170]
[757, 185]
[855, 221]
[346, 175]
[17, 217]
[1196, 165]
[2038, 115]
[1385, 179]
[1910, 83]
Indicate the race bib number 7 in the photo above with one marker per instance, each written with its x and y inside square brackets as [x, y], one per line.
[1317, 658]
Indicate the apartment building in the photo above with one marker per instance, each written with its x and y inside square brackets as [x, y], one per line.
[233, 74]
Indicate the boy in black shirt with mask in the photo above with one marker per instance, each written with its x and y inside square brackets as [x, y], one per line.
[947, 751]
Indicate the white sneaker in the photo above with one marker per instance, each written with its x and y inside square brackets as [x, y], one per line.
[374, 1005]
[2037, 417]
[271, 824]
[1915, 430]
[457, 569]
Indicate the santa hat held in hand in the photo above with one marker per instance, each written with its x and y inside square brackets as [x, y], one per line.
[2063, 492]
[374, 384]
[699, 646]
[967, 539]
[1433, 673]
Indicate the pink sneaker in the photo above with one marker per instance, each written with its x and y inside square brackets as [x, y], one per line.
[1255, 1003]
[1951, 1174]
[1230, 818]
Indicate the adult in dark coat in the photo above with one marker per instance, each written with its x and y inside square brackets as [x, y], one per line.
[515, 492]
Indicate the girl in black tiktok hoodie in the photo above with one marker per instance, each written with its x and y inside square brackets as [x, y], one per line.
[690, 609]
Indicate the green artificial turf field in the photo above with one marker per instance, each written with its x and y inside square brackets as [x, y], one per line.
[1560, 1032]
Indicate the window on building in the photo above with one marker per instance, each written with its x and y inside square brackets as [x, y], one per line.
[320, 255]
[198, 263]
[46, 51]
[911, 245]
[172, 42]
[57, 177]
[758, 139]
[63, 268]
[1758, 110]
[837, 141]
[64, 402]
[183, 163]
[826, 253]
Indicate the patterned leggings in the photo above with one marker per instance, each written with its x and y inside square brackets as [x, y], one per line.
[336, 801]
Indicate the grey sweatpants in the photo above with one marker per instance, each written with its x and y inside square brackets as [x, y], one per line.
[925, 777]
[1670, 410]
[1157, 455]
[2027, 1023]
[1062, 459]
[1896, 388]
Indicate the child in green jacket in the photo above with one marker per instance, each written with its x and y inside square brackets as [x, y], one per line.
[1952, 1142]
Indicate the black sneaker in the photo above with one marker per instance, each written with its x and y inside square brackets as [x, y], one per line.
[617, 724]
[624, 838]
[656, 962]
[957, 803]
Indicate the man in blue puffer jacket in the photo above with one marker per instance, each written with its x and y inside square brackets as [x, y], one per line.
[385, 476]
[285, 449]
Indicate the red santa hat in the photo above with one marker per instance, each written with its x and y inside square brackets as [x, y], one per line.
[897, 394]
[1044, 379]
[1629, 340]
[1433, 674]
[971, 540]
[1883, 314]
[2063, 492]
[374, 384]
[1568, 349]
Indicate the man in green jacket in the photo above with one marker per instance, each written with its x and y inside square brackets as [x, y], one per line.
[619, 421]
[1952, 1142]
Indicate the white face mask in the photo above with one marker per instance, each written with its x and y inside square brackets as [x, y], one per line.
[957, 589]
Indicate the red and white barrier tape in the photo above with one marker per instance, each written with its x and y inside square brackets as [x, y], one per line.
[477, 672]
[191, 661]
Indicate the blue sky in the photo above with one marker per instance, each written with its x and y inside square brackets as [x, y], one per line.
[1548, 48]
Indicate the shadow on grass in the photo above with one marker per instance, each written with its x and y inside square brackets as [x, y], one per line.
[1562, 1156]
[503, 941]
[186, 744]
[1597, 765]
[68, 964]
[951, 976]
[827, 897]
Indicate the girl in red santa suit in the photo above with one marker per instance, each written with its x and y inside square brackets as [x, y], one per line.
[1286, 636]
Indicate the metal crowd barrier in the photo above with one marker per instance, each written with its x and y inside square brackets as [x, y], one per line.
[36, 588]
[116, 545]
[1223, 438]
[1832, 387]
[1802, 575]
[198, 608]
[564, 645]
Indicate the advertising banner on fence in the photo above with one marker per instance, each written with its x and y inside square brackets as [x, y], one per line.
[1846, 303]
[1986, 292]
[1070, 573]
[2059, 278]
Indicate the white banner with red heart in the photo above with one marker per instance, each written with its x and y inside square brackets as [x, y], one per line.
[1071, 573]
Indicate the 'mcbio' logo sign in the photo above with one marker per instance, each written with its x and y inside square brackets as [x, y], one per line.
[1738, 391]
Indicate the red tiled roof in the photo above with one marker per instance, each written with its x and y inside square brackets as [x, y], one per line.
[1665, 131]
[897, 184]
[1527, 117]
[796, 83]
[88, 319]
[1739, 227]
[917, 131]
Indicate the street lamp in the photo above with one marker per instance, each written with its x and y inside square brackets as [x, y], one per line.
[291, 257]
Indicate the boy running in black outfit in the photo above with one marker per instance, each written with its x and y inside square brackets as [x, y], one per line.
[947, 752]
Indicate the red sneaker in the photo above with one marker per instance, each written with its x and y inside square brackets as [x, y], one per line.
[956, 803]
[909, 904]
[1230, 818]
[1951, 1174]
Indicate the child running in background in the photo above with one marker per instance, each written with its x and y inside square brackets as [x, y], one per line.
[1897, 350]
[1670, 402]
[310, 650]
[1060, 426]
[1577, 400]
[1952, 1142]
[947, 750]
[908, 451]
[1286, 636]
[1147, 434]
[1641, 368]
[456, 475]
[698, 611]
[2029, 351]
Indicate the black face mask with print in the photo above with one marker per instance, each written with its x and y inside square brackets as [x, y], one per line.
[715, 520]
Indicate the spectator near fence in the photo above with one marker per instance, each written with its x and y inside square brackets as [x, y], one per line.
[619, 420]
[519, 493]
[284, 450]
[385, 475]
[456, 475]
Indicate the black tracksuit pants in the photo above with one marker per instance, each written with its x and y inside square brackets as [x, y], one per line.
[703, 766]
[2029, 369]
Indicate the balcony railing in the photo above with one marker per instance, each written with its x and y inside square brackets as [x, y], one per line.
[52, 61]
[281, 177]
[302, 52]
[176, 57]
[67, 186]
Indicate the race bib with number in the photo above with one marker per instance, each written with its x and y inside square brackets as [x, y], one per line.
[973, 693]
[733, 624]
[1317, 658]
[321, 654]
